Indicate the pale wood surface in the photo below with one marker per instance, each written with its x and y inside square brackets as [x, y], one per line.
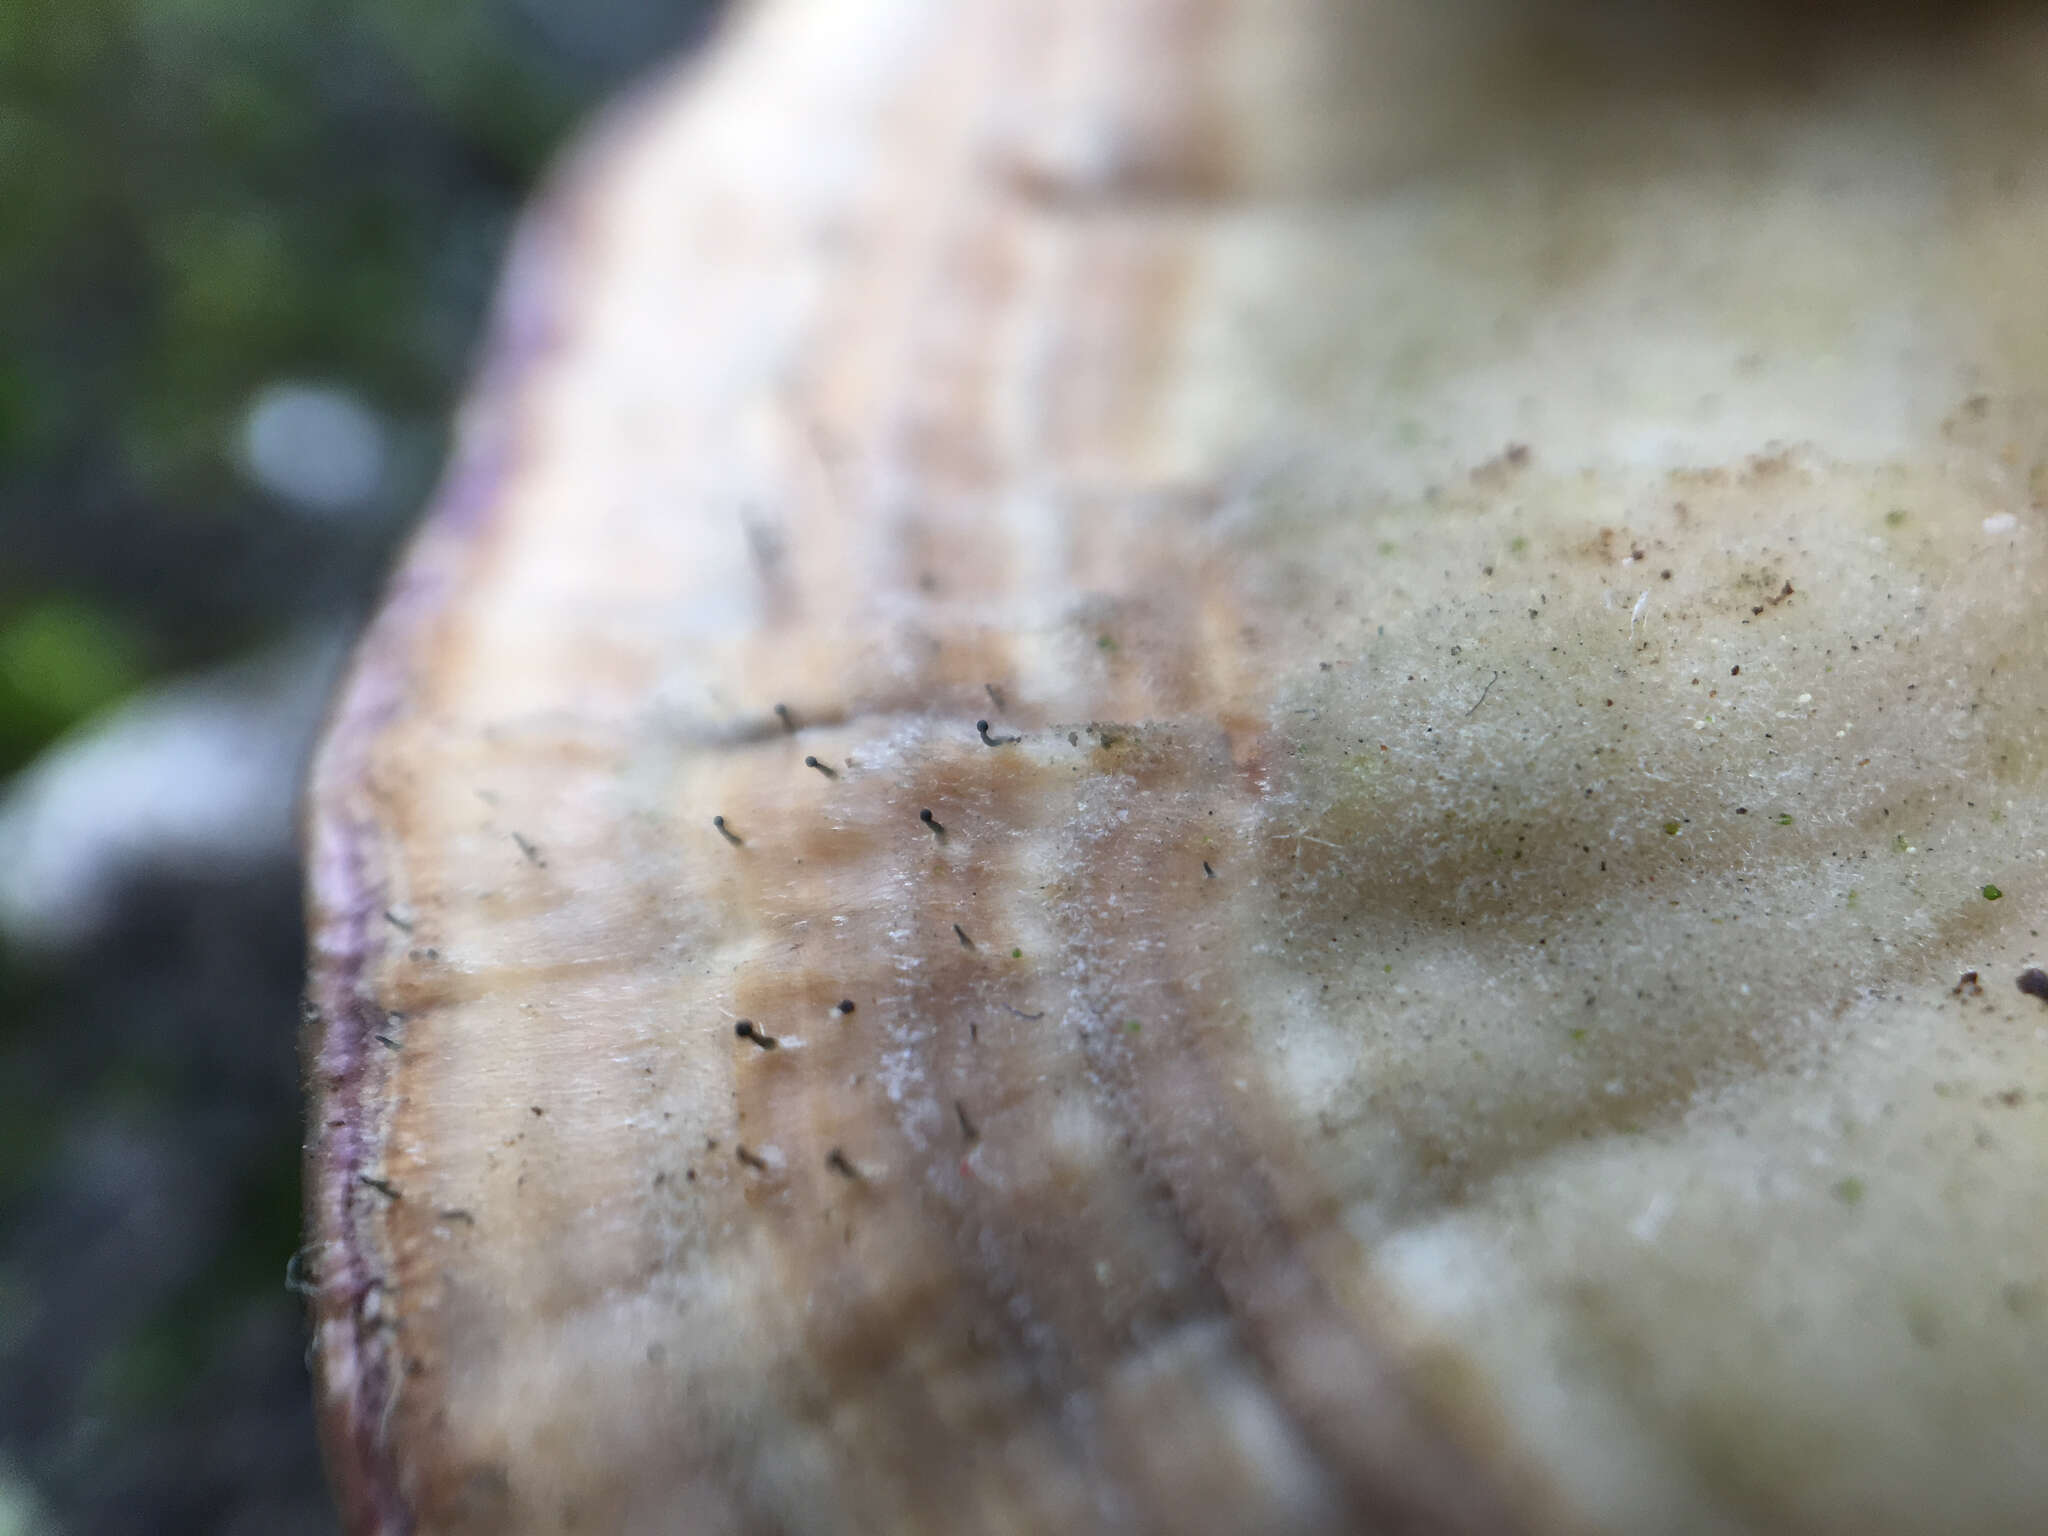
[1541, 500]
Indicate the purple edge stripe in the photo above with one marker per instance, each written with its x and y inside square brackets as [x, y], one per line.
[345, 890]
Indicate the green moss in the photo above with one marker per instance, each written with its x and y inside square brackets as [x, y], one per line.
[1849, 1191]
[1671, 829]
[59, 662]
[1992, 893]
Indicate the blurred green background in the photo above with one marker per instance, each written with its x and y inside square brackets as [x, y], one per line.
[245, 250]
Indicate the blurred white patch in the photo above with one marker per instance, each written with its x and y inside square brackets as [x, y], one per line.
[201, 773]
[319, 448]
[2003, 522]
[21, 1512]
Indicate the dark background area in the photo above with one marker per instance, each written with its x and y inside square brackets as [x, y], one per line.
[245, 250]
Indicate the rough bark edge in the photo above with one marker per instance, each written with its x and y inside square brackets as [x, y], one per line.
[344, 834]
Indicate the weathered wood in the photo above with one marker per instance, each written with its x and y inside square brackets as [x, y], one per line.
[1508, 540]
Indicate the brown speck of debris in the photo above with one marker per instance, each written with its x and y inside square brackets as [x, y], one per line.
[1735, 671]
[537, 1110]
[2034, 982]
[752, 1159]
[1496, 469]
[1970, 986]
[845, 1005]
[836, 1160]
[967, 1126]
